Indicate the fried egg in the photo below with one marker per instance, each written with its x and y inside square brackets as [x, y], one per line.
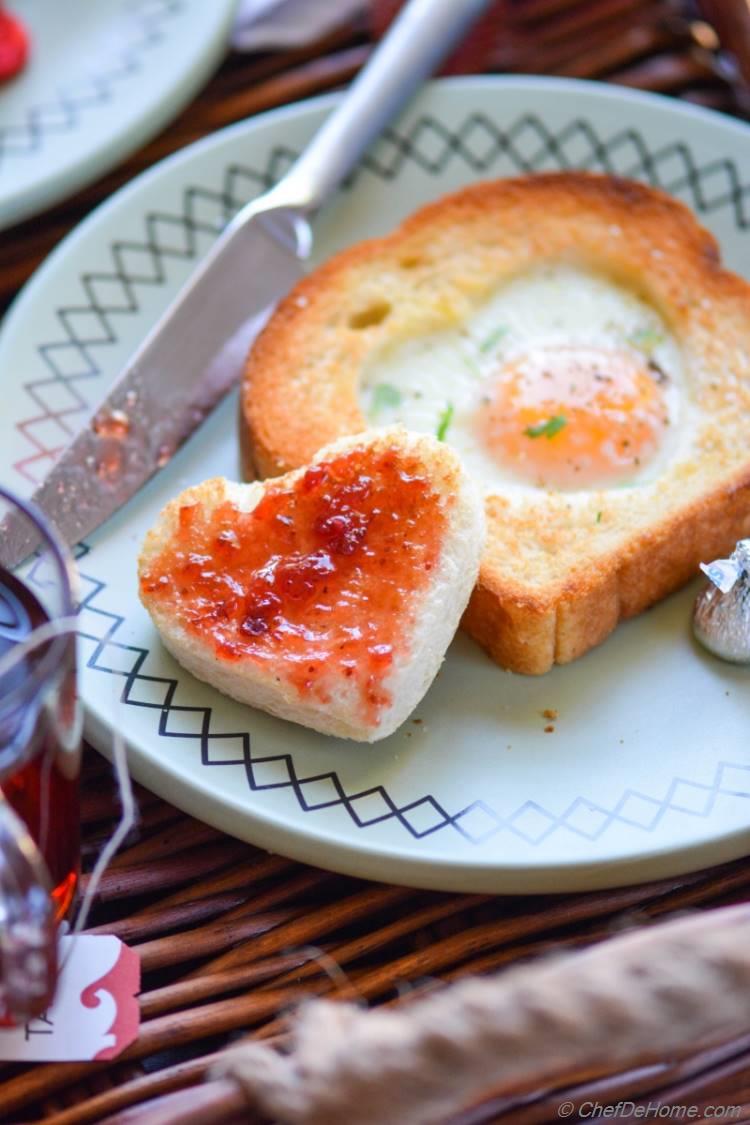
[563, 380]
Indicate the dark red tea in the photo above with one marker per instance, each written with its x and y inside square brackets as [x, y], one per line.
[38, 770]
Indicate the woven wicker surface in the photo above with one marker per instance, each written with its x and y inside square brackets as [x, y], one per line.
[230, 937]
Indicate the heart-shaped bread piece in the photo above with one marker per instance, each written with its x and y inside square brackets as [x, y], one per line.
[327, 596]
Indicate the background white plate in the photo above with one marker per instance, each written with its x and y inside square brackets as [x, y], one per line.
[102, 78]
[648, 770]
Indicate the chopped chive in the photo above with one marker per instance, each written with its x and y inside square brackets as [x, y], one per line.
[471, 366]
[493, 339]
[547, 429]
[646, 339]
[598, 517]
[444, 421]
[383, 395]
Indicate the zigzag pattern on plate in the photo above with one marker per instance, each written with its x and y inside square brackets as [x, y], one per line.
[63, 112]
[61, 398]
[476, 822]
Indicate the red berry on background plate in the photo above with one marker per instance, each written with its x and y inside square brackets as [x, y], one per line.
[14, 45]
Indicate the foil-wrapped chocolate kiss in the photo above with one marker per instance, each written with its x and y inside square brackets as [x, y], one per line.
[721, 618]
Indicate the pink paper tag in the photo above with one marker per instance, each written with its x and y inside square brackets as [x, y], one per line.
[95, 1013]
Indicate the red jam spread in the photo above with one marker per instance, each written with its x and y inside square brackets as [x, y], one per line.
[318, 580]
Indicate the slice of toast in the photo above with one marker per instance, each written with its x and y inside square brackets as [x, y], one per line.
[327, 596]
[560, 568]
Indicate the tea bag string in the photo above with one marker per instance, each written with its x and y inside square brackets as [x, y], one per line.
[128, 812]
[43, 634]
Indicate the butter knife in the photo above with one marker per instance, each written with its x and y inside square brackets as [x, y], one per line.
[194, 354]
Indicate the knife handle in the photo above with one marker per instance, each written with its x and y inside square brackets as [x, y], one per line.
[420, 38]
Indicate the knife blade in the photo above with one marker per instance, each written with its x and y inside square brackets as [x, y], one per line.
[172, 382]
[195, 352]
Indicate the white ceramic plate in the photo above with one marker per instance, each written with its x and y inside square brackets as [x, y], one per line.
[102, 78]
[648, 770]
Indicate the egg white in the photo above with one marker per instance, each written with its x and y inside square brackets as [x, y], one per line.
[437, 382]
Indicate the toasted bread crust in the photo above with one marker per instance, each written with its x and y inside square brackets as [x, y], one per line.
[529, 631]
[552, 583]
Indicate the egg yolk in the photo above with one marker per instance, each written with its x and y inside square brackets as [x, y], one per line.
[573, 417]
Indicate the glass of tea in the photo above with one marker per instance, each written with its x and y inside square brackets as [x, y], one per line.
[40, 759]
